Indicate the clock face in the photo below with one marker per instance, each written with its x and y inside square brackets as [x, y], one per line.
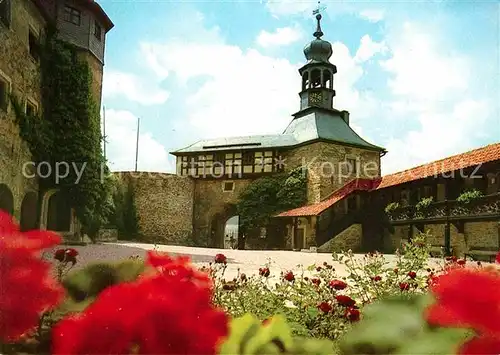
[315, 98]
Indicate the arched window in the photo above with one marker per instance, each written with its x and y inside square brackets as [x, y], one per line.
[305, 81]
[316, 78]
[327, 79]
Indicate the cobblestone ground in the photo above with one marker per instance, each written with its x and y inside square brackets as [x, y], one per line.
[248, 261]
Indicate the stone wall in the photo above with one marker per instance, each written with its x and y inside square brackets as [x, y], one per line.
[326, 168]
[22, 73]
[476, 234]
[348, 239]
[164, 204]
[483, 234]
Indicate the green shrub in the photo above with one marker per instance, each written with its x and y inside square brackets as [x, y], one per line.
[299, 301]
[424, 203]
[469, 196]
[391, 207]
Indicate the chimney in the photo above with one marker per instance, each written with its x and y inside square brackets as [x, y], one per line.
[345, 116]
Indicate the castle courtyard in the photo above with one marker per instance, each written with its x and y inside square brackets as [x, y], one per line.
[247, 261]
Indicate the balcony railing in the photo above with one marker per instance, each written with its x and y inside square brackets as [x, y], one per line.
[483, 206]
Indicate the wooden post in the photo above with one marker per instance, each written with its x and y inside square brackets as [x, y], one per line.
[294, 234]
[447, 234]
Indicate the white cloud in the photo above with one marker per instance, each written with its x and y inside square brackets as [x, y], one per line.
[426, 98]
[372, 15]
[440, 135]
[281, 37]
[420, 69]
[368, 48]
[244, 92]
[290, 7]
[432, 93]
[132, 87]
[121, 132]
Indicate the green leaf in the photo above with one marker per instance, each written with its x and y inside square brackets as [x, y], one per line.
[312, 312]
[386, 326]
[311, 346]
[437, 342]
[241, 330]
[249, 337]
[276, 332]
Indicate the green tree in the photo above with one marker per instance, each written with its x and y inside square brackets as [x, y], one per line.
[267, 196]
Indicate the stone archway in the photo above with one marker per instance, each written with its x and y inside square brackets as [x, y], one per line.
[218, 225]
[56, 212]
[29, 211]
[6, 199]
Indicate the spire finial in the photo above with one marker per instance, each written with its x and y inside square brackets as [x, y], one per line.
[318, 34]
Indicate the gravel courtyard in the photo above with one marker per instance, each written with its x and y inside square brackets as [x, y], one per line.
[248, 261]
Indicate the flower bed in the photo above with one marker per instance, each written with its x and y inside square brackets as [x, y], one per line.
[165, 305]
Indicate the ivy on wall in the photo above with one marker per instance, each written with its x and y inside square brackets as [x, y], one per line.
[68, 130]
[268, 196]
[125, 216]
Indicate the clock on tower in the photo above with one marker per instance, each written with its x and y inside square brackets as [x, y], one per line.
[315, 98]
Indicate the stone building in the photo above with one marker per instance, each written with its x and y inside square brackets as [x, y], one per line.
[350, 205]
[456, 200]
[318, 136]
[24, 25]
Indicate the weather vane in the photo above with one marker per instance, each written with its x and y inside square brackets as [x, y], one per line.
[319, 8]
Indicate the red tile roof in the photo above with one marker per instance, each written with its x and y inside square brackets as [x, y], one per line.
[314, 210]
[456, 162]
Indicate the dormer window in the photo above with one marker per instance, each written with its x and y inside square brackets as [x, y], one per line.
[97, 31]
[72, 15]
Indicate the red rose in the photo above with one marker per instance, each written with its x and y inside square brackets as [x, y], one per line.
[412, 275]
[352, 314]
[66, 255]
[345, 300]
[337, 285]
[264, 272]
[175, 294]
[72, 252]
[289, 276]
[403, 286]
[60, 254]
[325, 307]
[220, 259]
[474, 306]
[377, 278]
[25, 278]
[316, 281]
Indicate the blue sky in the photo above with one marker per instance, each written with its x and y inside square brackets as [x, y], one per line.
[419, 78]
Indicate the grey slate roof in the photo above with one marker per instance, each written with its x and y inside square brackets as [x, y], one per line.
[316, 125]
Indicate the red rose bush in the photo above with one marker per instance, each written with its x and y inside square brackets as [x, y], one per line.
[165, 305]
